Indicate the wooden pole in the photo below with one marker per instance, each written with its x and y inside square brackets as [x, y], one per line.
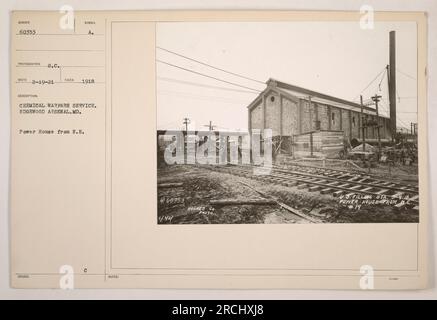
[376, 98]
[186, 122]
[280, 122]
[311, 143]
[310, 113]
[392, 82]
[362, 124]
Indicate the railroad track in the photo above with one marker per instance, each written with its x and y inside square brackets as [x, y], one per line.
[325, 170]
[329, 181]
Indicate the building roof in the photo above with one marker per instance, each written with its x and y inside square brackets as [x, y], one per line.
[295, 93]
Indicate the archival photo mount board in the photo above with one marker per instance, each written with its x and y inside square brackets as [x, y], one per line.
[87, 104]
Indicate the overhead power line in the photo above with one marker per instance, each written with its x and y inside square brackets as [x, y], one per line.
[401, 121]
[405, 74]
[201, 97]
[203, 85]
[208, 65]
[207, 76]
[368, 85]
[382, 78]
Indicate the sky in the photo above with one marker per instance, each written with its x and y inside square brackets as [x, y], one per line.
[335, 58]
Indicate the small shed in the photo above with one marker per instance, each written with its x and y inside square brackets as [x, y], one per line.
[322, 143]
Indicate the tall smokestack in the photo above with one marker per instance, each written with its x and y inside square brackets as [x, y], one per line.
[392, 82]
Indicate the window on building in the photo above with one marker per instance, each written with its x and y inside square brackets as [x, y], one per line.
[333, 118]
[272, 98]
[353, 122]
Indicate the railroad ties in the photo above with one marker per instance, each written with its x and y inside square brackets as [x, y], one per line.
[330, 182]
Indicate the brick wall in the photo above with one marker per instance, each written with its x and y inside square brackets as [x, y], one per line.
[323, 116]
[273, 113]
[345, 122]
[335, 118]
[356, 123]
[314, 116]
[371, 131]
[256, 117]
[290, 117]
[309, 114]
[304, 116]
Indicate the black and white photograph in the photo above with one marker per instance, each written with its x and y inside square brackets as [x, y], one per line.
[234, 151]
[287, 122]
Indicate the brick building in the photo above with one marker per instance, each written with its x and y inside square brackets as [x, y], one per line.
[292, 111]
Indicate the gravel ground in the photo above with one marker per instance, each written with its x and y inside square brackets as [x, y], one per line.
[189, 203]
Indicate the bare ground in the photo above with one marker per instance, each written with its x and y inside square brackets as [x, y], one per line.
[189, 203]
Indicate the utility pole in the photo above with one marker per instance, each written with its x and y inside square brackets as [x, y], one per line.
[311, 129]
[310, 113]
[210, 126]
[392, 82]
[414, 132]
[311, 144]
[186, 123]
[376, 98]
[362, 124]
